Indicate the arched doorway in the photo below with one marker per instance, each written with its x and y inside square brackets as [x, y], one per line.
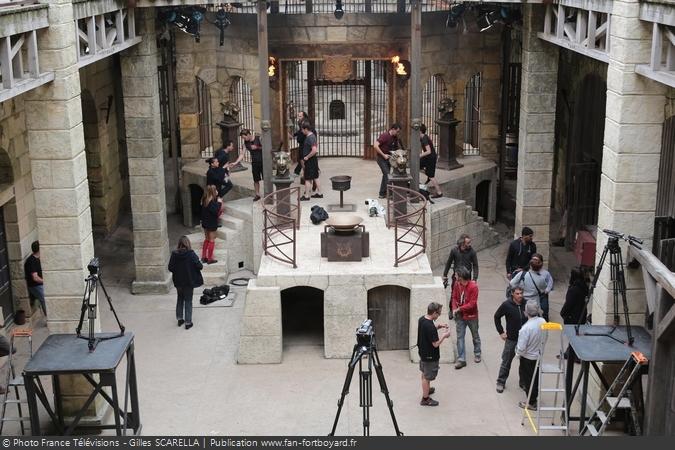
[584, 156]
[302, 316]
[389, 308]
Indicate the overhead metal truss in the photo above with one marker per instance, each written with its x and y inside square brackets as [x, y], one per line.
[104, 34]
[582, 30]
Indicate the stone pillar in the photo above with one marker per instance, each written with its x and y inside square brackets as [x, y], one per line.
[265, 115]
[631, 153]
[260, 340]
[60, 187]
[415, 90]
[146, 164]
[536, 130]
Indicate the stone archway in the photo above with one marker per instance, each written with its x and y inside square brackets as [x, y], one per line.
[302, 316]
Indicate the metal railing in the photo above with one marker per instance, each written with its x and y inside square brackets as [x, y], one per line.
[281, 219]
[406, 212]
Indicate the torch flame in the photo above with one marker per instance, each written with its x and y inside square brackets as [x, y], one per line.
[395, 59]
[272, 69]
[400, 68]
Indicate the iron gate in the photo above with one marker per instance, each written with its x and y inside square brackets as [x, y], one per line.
[434, 91]
[472, 115]
[240, 95]
[348, 115]
[664, 225]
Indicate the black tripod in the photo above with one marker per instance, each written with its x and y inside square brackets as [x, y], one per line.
[618, 280]
[90, 304]
[366, 385]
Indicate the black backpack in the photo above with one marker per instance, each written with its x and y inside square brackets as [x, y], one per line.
[214, 294]
[318, 215]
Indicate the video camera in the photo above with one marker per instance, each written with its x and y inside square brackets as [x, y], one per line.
[94, 266]
[365, 333]
[632, 240]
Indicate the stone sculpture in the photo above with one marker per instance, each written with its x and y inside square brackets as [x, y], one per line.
[281, 164]
[399, 163]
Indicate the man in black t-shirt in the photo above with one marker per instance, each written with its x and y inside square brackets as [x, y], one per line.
[428, 343]
[33, 273]
[310, 163]
[384, 145]
[254, 147]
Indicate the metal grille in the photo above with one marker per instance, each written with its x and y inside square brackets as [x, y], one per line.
[204, 116]
[472, 115]
[296, 97]
[513, 98]
[240, 94]
[379, 100]
[348, 6]
[434, 91]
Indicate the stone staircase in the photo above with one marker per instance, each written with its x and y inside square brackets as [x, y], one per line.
[213, 274]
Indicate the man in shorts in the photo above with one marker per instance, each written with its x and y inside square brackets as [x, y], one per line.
[310, 163]
[428, 344]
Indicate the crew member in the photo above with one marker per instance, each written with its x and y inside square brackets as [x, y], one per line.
[384, 145]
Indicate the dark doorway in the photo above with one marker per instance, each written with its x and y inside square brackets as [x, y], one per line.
[389, 308]
[483, 199]
[196, 193]
[6, 300]
[584, 156]
[302, 316]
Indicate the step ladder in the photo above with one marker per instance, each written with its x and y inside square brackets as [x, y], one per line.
[14, 383]
[612, 402]
[544, 371]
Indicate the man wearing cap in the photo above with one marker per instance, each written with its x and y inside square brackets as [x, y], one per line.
[529, 345]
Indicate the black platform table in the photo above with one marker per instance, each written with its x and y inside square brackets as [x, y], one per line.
[66, 354]
[591, 350]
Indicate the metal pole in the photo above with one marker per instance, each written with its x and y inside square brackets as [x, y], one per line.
[415, 90]
[265, 124]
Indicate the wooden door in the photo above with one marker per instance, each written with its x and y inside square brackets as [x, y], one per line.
[389, 308]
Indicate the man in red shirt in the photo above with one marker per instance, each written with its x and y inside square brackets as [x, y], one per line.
[465, 311]
[384, 145]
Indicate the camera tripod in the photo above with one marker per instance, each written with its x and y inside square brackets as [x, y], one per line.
[366, 385]
[89, 306]
[618, 281]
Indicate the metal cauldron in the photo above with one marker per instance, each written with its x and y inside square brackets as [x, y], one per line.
[341, 182]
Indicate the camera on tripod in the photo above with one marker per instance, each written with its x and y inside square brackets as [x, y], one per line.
[365, 333]
[94, 266]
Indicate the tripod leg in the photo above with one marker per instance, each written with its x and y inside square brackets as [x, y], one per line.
[105, 292]
[345, 389]
[616, 286]
[621, 280]
[366, 393]
[385, 390]
[85, 303]
[594, 283]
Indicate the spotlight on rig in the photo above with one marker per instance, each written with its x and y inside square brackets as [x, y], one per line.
[222, 22]
[454, 15]
[339, 12]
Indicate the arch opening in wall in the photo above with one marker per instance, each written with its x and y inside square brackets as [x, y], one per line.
[336, 110]
[434, 91]
[302, 317]
[242, 96]
[482, 205]
[389, 309]
[204, 118]
[196, 193]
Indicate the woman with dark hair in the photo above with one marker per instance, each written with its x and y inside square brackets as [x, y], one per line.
[211, 205]
[573, 311]
[428, 159]
[186, 273]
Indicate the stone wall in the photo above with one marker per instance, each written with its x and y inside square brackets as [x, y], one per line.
[451, 218]
[106, 156]
[16, 194]
[448, 52]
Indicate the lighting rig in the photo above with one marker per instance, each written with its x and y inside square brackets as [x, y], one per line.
[487, 15]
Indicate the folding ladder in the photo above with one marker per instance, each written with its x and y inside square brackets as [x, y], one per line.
[544, 372]
[13, 383]
[600, 418]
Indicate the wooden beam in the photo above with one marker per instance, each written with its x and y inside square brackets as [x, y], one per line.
[131, 22]
[598, 54]
[661, 76]
[560, 24]
[91, 35]
[6, 63]
[17, 58]
[548, 19]
[32, 54]
[656, 268]
[85, 60]
[101, 38]
[666, 326]
[119, 26]
[592, 29]
[657, 40]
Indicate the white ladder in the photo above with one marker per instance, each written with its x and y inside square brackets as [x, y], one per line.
[13, 383]
[544, 372]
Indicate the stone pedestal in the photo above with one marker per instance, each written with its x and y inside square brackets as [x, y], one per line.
[447, 132]
[146, 165]
[536, 130]
[284, 197]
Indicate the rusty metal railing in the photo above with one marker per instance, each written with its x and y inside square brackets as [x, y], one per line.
[406, 212]
[281, 219]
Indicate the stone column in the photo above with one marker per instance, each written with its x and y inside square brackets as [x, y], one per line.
[60, 187]
[631, 153]
[265, 123]
[415, 90]
[536, 130]
[146, 164]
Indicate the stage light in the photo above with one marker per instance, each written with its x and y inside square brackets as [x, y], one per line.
[455, 13]
[339, 12]
[222, 22]
[487, 20]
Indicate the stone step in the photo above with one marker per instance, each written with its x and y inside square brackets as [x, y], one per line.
[231, 222]
[241, 208]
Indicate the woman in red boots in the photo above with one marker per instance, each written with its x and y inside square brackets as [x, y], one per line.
[211, 205]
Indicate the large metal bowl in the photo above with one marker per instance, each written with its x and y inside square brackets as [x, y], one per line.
[341, 182]
[343, 222]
